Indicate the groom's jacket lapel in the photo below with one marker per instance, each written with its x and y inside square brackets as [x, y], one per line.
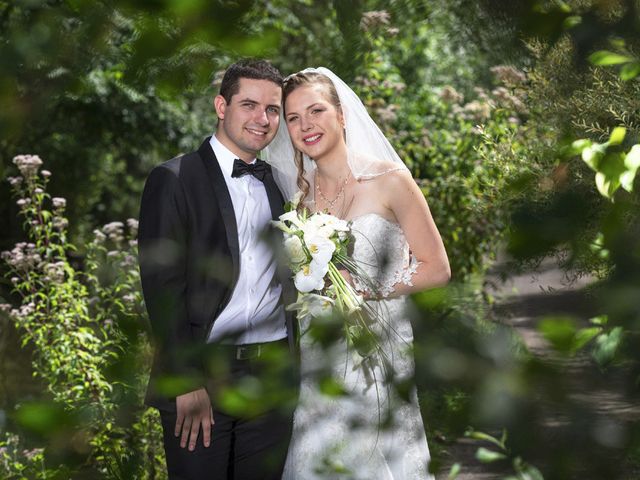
[276, 203]
[225, 205]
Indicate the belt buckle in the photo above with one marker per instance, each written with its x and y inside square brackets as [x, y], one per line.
[246, 352]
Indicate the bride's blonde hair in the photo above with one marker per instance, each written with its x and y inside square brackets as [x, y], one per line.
[289, 85]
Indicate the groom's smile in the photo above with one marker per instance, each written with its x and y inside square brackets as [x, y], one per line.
[249, 121]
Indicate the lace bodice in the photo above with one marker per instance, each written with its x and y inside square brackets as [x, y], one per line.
[382, 251]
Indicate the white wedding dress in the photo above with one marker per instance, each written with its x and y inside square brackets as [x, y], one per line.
[372, 432]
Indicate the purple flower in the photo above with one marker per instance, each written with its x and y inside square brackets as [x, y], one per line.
[45, 173]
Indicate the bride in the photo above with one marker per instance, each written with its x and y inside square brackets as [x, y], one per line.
[330, 150]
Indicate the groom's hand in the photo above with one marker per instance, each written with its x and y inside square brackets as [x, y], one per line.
[193, 411]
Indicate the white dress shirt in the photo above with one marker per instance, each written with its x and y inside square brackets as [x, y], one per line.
[254, 313]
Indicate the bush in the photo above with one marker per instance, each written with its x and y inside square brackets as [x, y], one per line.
[452, 145]
[89, 345]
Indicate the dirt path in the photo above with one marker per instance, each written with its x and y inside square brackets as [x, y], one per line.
[520, 301]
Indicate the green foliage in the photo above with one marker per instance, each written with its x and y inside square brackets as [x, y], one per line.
[523, 470]
[17, 462]
[85, 331]
[109, 89]
[465, 152]
[614, 169]
[630, 64]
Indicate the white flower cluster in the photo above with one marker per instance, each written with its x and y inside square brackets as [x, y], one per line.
[314, 246]
[59, 203]
[114, 230]
[55, 272]
[22, 257]
[27, 164]
[132, 223]
[309, 244]
[509, 75]
[24, 310]
[374, 18]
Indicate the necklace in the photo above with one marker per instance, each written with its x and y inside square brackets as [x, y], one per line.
[331, 203]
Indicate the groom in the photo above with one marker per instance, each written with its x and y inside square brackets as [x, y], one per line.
[215, 294]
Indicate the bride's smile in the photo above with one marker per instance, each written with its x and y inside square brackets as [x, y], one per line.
[315, 125]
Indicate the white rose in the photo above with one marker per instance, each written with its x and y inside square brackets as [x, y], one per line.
[293, 248]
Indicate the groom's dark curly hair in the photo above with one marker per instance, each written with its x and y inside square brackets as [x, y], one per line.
[249, 68]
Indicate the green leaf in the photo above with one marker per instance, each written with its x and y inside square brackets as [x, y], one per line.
[559, 331]
[632, 160]
[572, 21]
[617, 136]
[488, 456]
[607, 345]
[43, 418]
[599, 320]
[631, 163]
[606, 186]
[627, 179]
[331, 387]
[483, 436]
[579, 145]
[617, 43]
[630, 71]
[591, 155]
[174, 385]
[604, 58]
[454, 471]
[529, 472]
[584, 336]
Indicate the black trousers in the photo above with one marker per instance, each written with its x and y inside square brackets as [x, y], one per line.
[251, 433]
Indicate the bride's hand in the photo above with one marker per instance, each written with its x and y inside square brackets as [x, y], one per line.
[347, 276]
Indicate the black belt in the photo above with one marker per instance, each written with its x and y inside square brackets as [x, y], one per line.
[250, 351]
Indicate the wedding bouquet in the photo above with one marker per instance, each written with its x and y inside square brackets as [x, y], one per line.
[316, 248]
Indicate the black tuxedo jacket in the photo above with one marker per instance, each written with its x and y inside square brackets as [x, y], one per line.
[189, 264]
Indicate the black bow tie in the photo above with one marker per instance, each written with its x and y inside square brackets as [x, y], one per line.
[258, 169]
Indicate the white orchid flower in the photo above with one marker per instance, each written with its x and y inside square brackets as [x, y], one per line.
[312, 304]
[292, 217]
[295, 201]
[310, 277]
[337, 224]
[318, 305]
[325, 225]
[320, 248]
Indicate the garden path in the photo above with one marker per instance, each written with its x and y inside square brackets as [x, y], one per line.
[521, 300]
